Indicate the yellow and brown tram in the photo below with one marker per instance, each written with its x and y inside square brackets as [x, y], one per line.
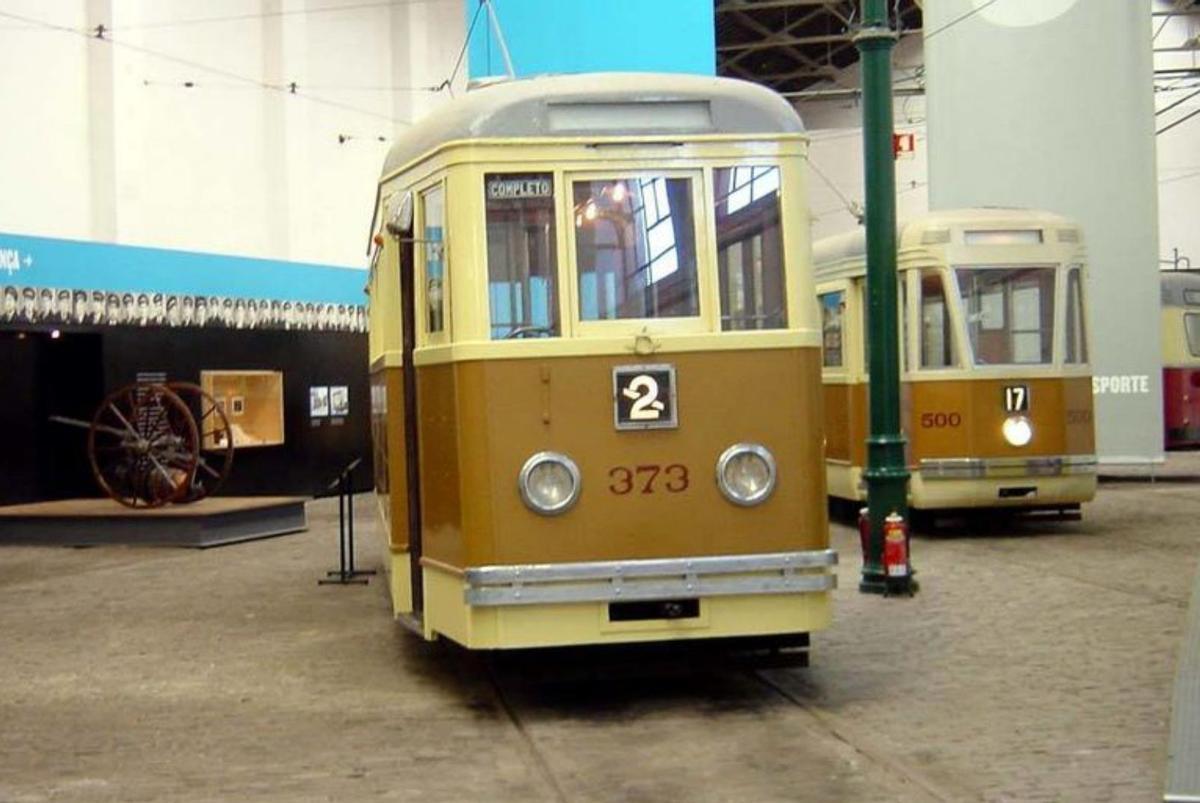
[996, 396]
[596, 366]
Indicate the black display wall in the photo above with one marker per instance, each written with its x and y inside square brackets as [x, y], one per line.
[69, 375]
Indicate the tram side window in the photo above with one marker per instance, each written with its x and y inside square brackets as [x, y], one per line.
[937, 333]
[749, 248]
[635, 248]
[1076, 331]
[435, 260]
[1191, 326]
[521, 254]
[1010, 314]
[833, 311]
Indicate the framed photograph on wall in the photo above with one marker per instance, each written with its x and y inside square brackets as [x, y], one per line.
[339, 400]
[318, 401]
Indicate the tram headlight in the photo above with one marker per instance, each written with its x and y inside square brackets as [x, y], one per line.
[746, 473]
[549, 483]
[1017, 430]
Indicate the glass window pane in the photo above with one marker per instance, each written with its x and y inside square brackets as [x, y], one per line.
[435, 262]
[635, 249]
[1076, 331]
[833, 310]
[937, 334]
[1191, 324]
[1010, 314]
[522, 260]
[749, 248]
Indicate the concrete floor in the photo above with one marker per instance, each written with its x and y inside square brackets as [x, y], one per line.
[1035, 664]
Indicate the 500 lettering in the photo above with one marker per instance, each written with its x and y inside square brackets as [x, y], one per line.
[940, 420]
[648, 479]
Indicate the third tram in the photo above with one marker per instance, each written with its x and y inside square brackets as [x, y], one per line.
[1181, 358]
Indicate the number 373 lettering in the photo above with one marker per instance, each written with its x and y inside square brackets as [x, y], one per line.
[648, 479]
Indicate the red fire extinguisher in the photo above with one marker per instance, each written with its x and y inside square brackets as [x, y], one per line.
[895, 546]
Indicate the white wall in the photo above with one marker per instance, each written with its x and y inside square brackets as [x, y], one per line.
[836, 152]
[103, 142]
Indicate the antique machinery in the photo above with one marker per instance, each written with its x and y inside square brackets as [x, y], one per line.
[153, 444]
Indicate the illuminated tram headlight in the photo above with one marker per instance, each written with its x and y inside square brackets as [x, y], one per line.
[1017, 430]
[549, 483]
[746, 473]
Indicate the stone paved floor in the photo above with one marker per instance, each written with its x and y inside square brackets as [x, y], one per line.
[1035, 664]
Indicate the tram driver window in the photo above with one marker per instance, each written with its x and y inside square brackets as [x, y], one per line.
[435, 260]
[937, 333]
[749, 248]
[635, 248]
[521, 254]
[1010, 314]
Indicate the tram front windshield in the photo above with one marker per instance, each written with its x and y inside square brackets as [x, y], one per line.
[1010, 313]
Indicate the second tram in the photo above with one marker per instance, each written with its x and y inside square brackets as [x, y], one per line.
[996, 388]
[596, 366]
[1181, 358]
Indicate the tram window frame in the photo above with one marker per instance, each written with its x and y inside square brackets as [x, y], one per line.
[825, 308]
[1075, 347]
[949, 341]
[745, 218]
[700, 320]
[1045, 280]
[432, 331]
[552, 274]
[1191, 332]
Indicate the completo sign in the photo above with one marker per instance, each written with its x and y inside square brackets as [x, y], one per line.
[504, 189]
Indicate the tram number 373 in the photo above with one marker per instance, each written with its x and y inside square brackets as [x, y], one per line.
[649, 479]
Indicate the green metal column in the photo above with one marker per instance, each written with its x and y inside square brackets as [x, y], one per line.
[886, 474]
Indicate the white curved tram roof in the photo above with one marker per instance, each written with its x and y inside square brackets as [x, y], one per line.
[853, 244]
[599, 105]
[1178, 286]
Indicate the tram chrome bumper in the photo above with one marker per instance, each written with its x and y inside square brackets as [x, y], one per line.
[655, 579]
[962, 468]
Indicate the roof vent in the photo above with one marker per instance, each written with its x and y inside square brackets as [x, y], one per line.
[935, 236]
[1068, 235]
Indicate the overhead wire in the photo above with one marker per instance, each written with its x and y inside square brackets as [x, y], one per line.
[271, 14]
[101, 34]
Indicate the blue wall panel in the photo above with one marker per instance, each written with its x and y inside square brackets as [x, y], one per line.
[571, 36]
[79, 265]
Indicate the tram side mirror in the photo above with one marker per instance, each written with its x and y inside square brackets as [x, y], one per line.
[400, 216]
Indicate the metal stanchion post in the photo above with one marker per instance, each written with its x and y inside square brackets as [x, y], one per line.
[346, 574]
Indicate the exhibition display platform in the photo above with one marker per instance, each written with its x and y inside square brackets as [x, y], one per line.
[209, 522]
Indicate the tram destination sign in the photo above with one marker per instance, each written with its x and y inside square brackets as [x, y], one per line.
[644, 397]
[512, 188]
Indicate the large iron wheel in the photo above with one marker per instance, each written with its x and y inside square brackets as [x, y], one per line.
[144, 446]
[216, 440]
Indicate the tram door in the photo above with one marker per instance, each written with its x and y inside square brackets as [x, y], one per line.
[408, 332]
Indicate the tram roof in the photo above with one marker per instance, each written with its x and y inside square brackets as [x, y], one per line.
[1175, 283]
[852, 244]
[599, 105]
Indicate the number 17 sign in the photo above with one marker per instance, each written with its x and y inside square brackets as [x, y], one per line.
[644, 397]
